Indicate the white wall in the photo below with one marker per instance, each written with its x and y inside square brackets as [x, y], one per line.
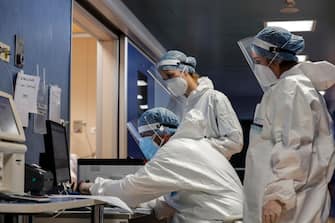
[83, 95]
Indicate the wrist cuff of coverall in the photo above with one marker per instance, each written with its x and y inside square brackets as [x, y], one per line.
[95, 188]
[282, 191]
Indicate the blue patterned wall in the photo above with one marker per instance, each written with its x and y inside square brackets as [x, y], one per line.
[45, 26]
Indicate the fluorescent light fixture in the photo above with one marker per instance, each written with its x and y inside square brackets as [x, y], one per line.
[141, 83]
[143, 107]
[322, 92]
[302, 58]
[139, 97]
[294, 26]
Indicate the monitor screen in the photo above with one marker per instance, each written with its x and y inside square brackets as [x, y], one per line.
[59, 148]
[7, 119]
[114, 169]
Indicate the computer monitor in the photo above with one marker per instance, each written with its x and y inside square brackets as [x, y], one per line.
[114, 169]
[56, 157]
[10, 122]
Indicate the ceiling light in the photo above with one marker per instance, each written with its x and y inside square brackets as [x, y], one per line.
[141, 83]
[294, 26]
[302, 58]
[289, 7]
[143, 107]
[139, 97]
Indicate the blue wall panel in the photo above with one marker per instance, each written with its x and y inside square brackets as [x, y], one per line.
[137, 62]
[45, 26]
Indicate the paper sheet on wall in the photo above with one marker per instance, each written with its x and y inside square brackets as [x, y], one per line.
[54, 103]
[42, 104]
[25, 95]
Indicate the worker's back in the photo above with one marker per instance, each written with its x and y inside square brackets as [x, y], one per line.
[210, 187]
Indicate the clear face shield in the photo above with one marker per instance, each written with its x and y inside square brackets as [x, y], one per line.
[154, 73]
[264, 75]
[148, 143]
[145, 143]
[164, 97]
[164, 79]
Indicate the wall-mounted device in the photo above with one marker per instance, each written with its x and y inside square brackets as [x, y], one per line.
[19, 52]
[4, 52]
[12, 149]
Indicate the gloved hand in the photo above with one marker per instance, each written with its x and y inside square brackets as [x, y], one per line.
[74, 186]
[272, 211]
[84, 188]
[163, 211]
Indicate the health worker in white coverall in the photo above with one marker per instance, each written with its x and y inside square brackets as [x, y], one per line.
[222, 130]
[191, 178]
[290, 158]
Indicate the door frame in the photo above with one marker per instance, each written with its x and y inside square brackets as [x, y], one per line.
[107, 82]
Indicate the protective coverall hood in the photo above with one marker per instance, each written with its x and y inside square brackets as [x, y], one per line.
[220, 125]
[204, 84]
[322, 74]
[192, 127]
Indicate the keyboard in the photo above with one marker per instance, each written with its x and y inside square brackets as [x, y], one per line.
[24, 197]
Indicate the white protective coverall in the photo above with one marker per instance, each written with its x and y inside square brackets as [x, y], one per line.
[291, 151]
[205, 186]
[223, 129]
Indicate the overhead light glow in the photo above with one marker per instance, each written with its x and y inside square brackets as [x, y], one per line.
[302, 58]
[294, 26]
[141, 83]
[139, 97]
[143, 107]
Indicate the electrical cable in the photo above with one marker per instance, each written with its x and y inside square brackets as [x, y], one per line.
[58, 213]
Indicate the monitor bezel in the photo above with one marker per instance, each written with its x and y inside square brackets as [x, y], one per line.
[13, 137]
[49, 142]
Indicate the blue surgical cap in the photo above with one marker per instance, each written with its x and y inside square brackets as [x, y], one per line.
[289, 45]
[183, 62]
[156, 118]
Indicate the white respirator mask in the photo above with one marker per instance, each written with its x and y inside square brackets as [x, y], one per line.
[265, 76]
[177, 85]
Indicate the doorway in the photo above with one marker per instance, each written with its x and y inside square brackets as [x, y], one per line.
[83, 93]
[94, 88]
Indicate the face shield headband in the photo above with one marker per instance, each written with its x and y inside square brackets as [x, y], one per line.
[149, 127]
[172, 62]
[251, 47]
[272, 48]
[154, 127]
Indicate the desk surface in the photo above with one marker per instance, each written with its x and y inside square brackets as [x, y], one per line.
[56, 204]
[86, 215]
